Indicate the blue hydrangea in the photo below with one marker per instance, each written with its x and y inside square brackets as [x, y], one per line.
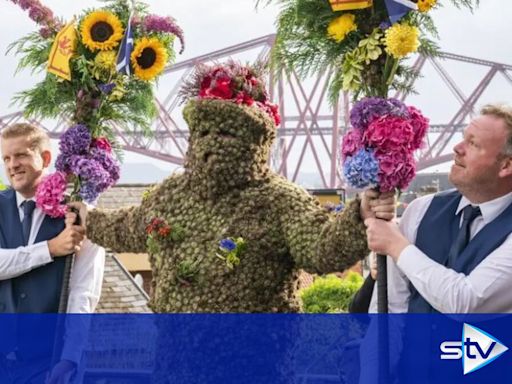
[361, 170]
[227, 245]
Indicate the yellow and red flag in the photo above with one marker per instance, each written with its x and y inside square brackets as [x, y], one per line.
[346, 5]
[62, 49]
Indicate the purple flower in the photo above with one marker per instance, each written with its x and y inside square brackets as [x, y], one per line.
[62, 164]
[361, 170]
[227, 245]
[75, 141]
[385, 25]
[108, 162]
[106, 88]
[46, 32]
[370, 108]
[93, 178]
[155, 23]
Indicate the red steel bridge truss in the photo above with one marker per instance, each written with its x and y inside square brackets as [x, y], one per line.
[309, 136]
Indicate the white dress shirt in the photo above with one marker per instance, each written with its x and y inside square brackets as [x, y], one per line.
[485, 290]
[86, 274]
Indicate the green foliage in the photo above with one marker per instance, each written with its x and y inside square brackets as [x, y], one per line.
[330, 294]
[2, 185]
[129, 105]
[359, 62]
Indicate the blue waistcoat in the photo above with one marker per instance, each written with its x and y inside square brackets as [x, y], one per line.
[37, 291]
[437, 231]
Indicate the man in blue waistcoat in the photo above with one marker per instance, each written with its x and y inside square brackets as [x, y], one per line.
[452, 251]
[31, 263]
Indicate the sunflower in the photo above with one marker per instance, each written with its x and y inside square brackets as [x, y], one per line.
[401, 39]
[148, 58]
[101, 30]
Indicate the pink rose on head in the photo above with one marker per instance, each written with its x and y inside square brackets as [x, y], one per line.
[352, 142]
[389, 133]
[420, 126]
[102, 143]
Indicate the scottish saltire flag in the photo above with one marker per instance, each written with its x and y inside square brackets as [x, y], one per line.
[125, 50]
[345, 5]
[399, 8]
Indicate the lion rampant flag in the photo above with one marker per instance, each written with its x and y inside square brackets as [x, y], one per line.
[346, 5]
[62, 49]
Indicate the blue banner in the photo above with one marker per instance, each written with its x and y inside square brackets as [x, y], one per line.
[258, 348]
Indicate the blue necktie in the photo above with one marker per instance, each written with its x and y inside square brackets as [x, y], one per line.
[28, 208]
[469, 214]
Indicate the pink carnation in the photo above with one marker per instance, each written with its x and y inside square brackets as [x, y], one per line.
[396, 170]
[352, 142]
[419, 125]
[389, 133]
[50, 195]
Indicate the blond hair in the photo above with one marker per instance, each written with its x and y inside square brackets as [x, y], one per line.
[39, 139]
[503, 112]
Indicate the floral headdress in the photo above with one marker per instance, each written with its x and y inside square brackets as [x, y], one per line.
[233, 82]
[101, 70]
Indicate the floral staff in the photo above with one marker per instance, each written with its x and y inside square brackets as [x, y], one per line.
[365, 44]
[89, 65]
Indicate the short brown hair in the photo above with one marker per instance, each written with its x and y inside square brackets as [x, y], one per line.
[38, 137]
[503, 112]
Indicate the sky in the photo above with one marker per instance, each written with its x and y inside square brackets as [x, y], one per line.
[210, 26]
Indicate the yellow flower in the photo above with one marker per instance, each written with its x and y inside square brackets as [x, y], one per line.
[341, 27]
[401, 39]
[148, 58]
[101, 30]
[106, 60]
[426, 5]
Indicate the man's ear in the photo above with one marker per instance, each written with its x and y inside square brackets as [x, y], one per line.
[46, 155]
[506, 167]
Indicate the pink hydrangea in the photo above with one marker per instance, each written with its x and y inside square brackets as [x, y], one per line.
[352, 142]
[396, 169]
[420, 126]
[50, 195]
[389, 133]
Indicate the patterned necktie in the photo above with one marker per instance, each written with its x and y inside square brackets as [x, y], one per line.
[469, 214]
[28, 208]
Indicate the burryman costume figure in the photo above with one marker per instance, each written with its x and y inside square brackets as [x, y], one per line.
[228, 234]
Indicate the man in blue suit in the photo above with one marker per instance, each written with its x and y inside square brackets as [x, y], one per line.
[32, 245]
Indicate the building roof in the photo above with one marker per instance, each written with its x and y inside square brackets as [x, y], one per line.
[122, 195]
[120, 293]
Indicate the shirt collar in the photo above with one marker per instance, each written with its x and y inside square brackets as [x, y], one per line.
[20, 199]
[490, 209]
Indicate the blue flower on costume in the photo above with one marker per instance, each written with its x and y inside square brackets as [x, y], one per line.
[227, 245]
